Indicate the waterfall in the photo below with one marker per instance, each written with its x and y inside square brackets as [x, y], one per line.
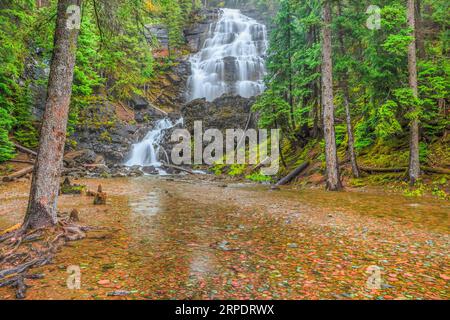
[231, 60]
[146, 152]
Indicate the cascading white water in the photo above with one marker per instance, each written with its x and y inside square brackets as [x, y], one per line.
[231, 60]
[146, 152]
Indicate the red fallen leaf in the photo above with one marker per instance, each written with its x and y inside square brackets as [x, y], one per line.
[408, 274]
[443, 276]
[392, 279]
[103, 282]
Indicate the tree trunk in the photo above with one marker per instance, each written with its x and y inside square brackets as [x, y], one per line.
[348, 119]
[419, 31]
[41, 210]
[291, 95]
[351, 140]
[332, 165]
[414, 165]
[293, 174]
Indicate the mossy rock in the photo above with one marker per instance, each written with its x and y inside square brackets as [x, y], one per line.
[68, 188]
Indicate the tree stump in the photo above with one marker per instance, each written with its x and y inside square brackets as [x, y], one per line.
[68, 188]
[74, 216]
[100, 196]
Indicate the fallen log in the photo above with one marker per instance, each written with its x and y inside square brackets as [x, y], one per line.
[160, 110]
[26, 150]
[177, 168]
[403, 169]
[293, 174]
[18, 174]
[435, 170]
[262, 163]
[21, 161]
[398, 169]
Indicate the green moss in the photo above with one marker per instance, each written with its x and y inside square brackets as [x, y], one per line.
[105, 136]
[258, 177]
[72, 189]
[357, 182]
[237, 169]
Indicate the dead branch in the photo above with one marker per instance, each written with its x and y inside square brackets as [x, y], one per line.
[26, 150]
[21, 161]
[262, 163]
[435, 170]
[18, 174]
[177, 168]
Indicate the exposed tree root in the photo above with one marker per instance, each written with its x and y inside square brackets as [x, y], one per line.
[22, 250]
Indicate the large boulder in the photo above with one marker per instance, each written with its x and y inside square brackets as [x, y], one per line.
[226, 112]
[138, 102]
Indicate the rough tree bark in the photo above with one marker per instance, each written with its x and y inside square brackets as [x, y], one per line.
[414, 164]
[291, 95]
[348, 119]
[419, 31]
[332, 164]
[41, 210]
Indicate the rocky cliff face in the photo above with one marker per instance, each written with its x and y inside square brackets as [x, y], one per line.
[196, 33]
[111, 138]
[109, 130]
[102, 132]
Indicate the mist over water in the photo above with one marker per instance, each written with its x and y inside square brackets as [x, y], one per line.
[231, 60]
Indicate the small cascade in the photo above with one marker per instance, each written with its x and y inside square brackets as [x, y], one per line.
[146, 152]
[231, 60]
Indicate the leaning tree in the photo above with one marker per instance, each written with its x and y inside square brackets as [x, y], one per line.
[41, 211]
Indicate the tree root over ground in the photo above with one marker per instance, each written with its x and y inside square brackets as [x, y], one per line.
[21, 251]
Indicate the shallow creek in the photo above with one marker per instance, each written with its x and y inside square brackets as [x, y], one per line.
[194, 238]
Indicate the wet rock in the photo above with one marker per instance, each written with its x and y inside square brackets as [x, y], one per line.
[231, 73]
[223, 245]
[119, 293]
[226, 112]
[196, 33]
[150, 170]
[138, 102]
[79, 157]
